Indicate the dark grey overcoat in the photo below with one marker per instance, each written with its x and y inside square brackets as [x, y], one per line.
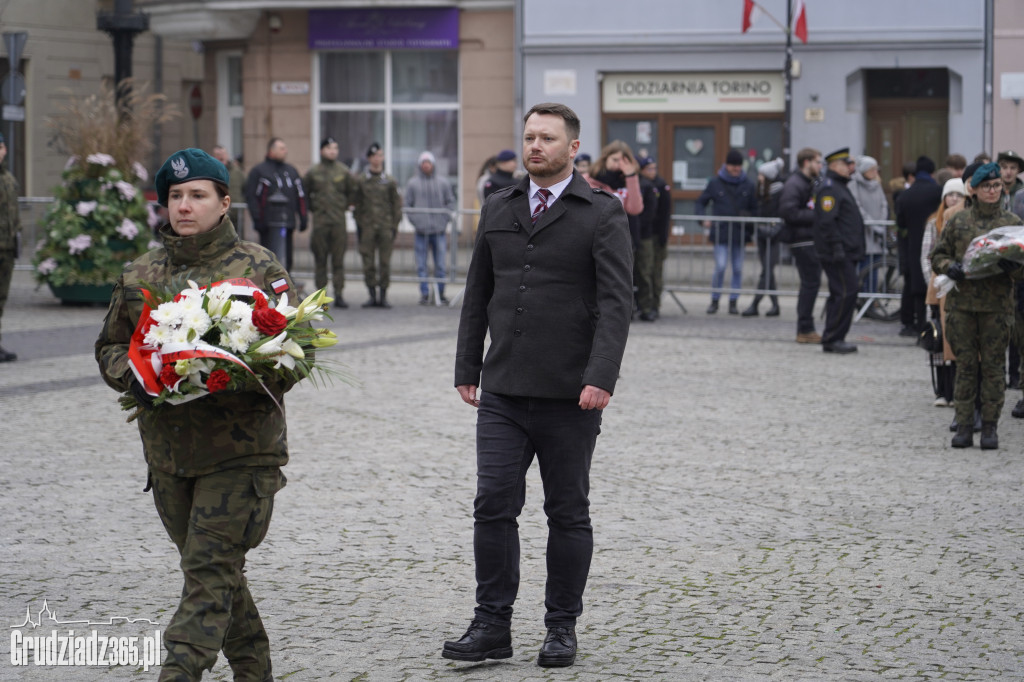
[556, 297]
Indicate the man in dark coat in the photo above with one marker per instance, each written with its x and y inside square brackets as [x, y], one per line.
[731, 193]
[550, 279]
[796, 208]
[913, 208]
[839, 242]
[502, 176]
[274, 196]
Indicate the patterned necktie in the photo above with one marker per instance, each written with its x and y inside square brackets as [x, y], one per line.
[542, 206]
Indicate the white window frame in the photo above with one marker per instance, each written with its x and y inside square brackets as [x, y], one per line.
[226, 113]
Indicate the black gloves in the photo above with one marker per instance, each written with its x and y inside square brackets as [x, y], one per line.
[138, 392]
[955, 272]
[1008, 266]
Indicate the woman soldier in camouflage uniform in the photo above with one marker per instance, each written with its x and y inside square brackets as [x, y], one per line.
[214, 463]
[979, 312]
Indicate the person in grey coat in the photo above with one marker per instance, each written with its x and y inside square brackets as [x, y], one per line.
[427, 191]
[869, 194]
[551, 281]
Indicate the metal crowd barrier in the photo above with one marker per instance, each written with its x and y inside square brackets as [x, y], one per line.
[688, 267]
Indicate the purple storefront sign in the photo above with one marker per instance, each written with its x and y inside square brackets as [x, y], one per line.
[384, 29]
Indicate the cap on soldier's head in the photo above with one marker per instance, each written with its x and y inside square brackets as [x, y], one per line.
[374, 148]
[187, 165]
[1011, 156]
[506, 155]
[583, 157]
[645, 161]
[842, 154]
[990, 171]
[327, 141]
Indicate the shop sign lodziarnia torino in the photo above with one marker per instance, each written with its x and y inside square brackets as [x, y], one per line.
[690, 92]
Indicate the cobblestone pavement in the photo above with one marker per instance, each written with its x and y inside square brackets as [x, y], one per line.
[761, 509]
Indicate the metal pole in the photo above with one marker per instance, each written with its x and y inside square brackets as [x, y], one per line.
[788, 77]
[987, 117]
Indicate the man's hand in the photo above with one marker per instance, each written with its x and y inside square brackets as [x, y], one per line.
[468, 394]
[593, 398]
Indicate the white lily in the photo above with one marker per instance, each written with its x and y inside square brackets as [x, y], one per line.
[273, 346]
[285, 309]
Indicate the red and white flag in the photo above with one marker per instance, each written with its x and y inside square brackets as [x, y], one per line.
[750, 10]
[800, 21]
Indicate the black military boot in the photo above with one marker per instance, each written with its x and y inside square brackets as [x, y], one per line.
[7, 356]
[383, 301]
[774, 310]
[964, 437]
[372, 301]
[482, 640]
[751, 310]
[713, 308]
[1018, 409]
[989, 437]
[734, 309]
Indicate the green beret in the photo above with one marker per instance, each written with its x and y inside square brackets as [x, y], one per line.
[187, 165]
[989, 171]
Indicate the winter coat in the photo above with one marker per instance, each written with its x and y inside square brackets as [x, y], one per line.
[870, 198]
[913, 208]
[729, 196]
[796, 208]
[428, 191]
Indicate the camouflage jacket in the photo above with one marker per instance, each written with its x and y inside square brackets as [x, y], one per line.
[986, 295]
[219, 431]
[378, 205]
[331, 189]
[10, 220]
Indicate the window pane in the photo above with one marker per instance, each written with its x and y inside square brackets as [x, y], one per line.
[761, 140]
[640, 134]
[427, 76]
[419, 131]
[693, 161]
[354, 131]
[347, 77]
[235, 81]
[236, 136]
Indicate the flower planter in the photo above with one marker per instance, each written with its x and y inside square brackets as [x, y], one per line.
[83, 294]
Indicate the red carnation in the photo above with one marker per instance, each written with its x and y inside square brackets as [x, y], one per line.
[168, 377]
[260, 300]
[217, 381]
[269, 321]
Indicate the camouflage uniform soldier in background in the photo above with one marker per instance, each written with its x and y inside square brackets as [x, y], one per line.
[10, 226]
[378, 210]
[331, 189]
[979, 312]
[214, 463]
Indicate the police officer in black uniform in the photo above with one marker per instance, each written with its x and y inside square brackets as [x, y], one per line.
[504, 173]
[839, 242]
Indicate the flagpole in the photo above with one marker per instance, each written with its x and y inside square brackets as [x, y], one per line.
[788, 77]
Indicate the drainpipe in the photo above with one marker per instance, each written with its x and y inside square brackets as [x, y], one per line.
[986, 142]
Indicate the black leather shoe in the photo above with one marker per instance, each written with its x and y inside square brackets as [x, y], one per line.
[481, 641]
[713, 308]
[559, 648]
[989, 437]
[339, 302]
[372, 301]
[7, 356]
[382, 302]
[648, 316]
[750, 311]
[734, 309]
[839, 347]
[773, 311]
[964, 437]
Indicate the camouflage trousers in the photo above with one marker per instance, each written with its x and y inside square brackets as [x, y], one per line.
[979, 342]
[6, 272]
[374, 243]
[214, 520]
[643, 275]
[1017, 337]
[329, 242]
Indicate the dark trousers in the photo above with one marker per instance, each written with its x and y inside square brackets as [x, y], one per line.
[768, 255]
[842, 299]
[279, 240]
[809, 269]
[510, 431]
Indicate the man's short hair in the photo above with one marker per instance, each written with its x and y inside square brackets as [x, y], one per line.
[909, 169]
[273, 141]
[956, 162]
[806, 154]
[572, 121]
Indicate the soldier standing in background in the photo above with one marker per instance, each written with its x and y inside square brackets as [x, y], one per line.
[10, 227]
[378, 210]
[979, 312]
[331, 188]
[214, 463]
